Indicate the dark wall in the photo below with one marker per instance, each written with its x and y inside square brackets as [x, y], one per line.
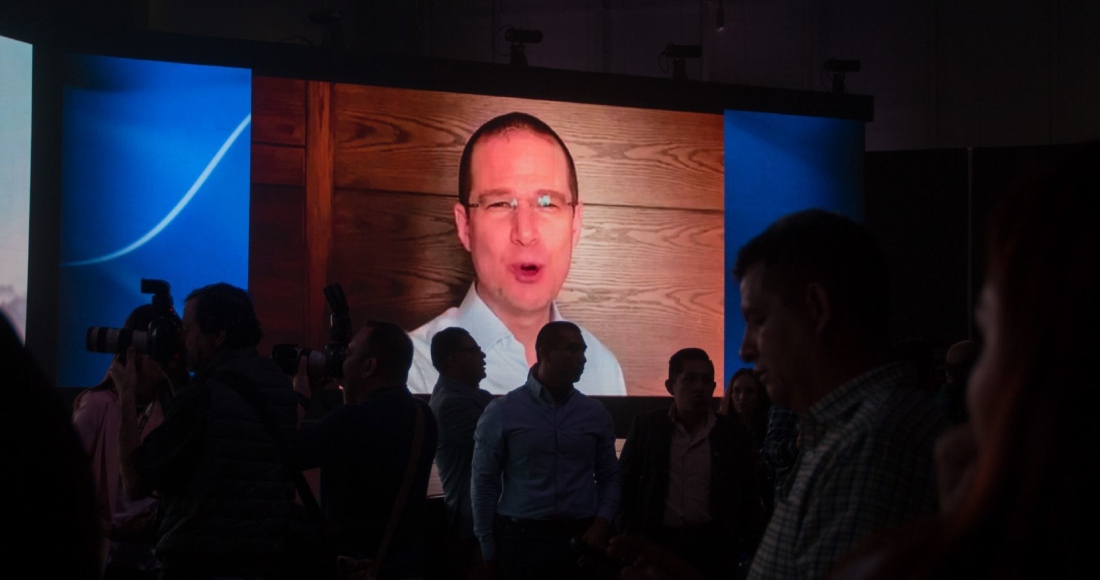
[929, 210]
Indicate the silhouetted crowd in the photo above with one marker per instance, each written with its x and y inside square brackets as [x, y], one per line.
[834, 456]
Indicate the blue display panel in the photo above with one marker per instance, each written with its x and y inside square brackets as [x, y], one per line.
[155, 184]
[15, 179]
[775, 165]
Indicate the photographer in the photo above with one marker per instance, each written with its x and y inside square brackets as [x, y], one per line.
[226, 502]
[375, 453]
[126, 525]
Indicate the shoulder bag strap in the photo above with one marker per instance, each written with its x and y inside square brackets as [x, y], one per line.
[406, 484]
[251, 394]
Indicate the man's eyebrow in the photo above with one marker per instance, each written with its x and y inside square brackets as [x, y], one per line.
[497, 191]
[505, 191]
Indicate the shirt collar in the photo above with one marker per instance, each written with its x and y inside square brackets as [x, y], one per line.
[710, 422]
[540, 392]
[449, 385]
[483, 324]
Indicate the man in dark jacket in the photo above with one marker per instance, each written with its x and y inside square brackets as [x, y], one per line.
[688, 479]
[364, 449]
[226, 501]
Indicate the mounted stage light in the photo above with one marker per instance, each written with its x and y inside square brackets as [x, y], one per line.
[839, 68]
[520, 38]
[678, 53]
[332, 20]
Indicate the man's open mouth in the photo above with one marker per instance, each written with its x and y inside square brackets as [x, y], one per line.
[527, 271]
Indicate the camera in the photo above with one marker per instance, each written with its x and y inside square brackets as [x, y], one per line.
[161, 340]
[329, 361]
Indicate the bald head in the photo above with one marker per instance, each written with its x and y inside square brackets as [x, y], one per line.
[960, 359]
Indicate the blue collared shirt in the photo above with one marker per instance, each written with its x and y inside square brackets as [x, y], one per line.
[505, 358]
[536, 459]
[457, 407]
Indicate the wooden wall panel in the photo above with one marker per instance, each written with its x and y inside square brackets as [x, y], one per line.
[278, 165]
[397, 256]
[647, 278]
[276, 265]
[400, 140]
[278, 111]
[646, 282]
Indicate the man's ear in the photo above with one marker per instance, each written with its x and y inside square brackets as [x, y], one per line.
[578, 212]
[818, 308]
[462, 224]
[219, 340]
[668, 386]
[369, 367]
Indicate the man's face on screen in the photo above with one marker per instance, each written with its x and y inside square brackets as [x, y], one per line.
[521, 226]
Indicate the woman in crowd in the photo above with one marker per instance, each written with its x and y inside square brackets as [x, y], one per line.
[1017, 484]
[747, 399]
[127, 526]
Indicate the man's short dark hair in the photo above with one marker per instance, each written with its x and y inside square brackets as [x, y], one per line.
[225, 307]
[445, 343]
[829, 249]
[389, 343]
[550, 336]
[500, 126]
[676, 363]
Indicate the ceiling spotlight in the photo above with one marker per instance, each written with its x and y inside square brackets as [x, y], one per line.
[720, 17]
[839, 68]
[678, 53]
[520, 38]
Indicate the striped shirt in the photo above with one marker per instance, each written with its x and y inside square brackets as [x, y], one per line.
[866, 464]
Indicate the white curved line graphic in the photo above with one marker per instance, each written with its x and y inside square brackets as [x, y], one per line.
[179, 206]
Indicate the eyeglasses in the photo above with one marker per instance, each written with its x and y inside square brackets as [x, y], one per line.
[467, 349]
[547, 205]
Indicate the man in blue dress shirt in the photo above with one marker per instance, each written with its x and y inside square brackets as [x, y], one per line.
[457, 404]
[544, 467]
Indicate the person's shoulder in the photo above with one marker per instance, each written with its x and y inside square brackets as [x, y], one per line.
[904, 412]
[653, 417]
[95, 398]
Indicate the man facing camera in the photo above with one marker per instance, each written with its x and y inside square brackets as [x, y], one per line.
[519, 216]
[689, 475]
[544, 470]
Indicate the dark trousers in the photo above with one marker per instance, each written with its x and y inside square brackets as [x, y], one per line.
[707, 548]
[533, 549]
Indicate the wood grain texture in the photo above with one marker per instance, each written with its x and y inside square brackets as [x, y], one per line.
[278, 165]
[277, 263]
[647, 278]
[397, 256]
[319, 137]
[645, 282]
[278, 111]
[402, 140]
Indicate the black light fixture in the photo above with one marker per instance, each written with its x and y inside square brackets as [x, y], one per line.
[838, 68]
[720, 17]
[332, 20]
[678, 54]
[520, 38]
